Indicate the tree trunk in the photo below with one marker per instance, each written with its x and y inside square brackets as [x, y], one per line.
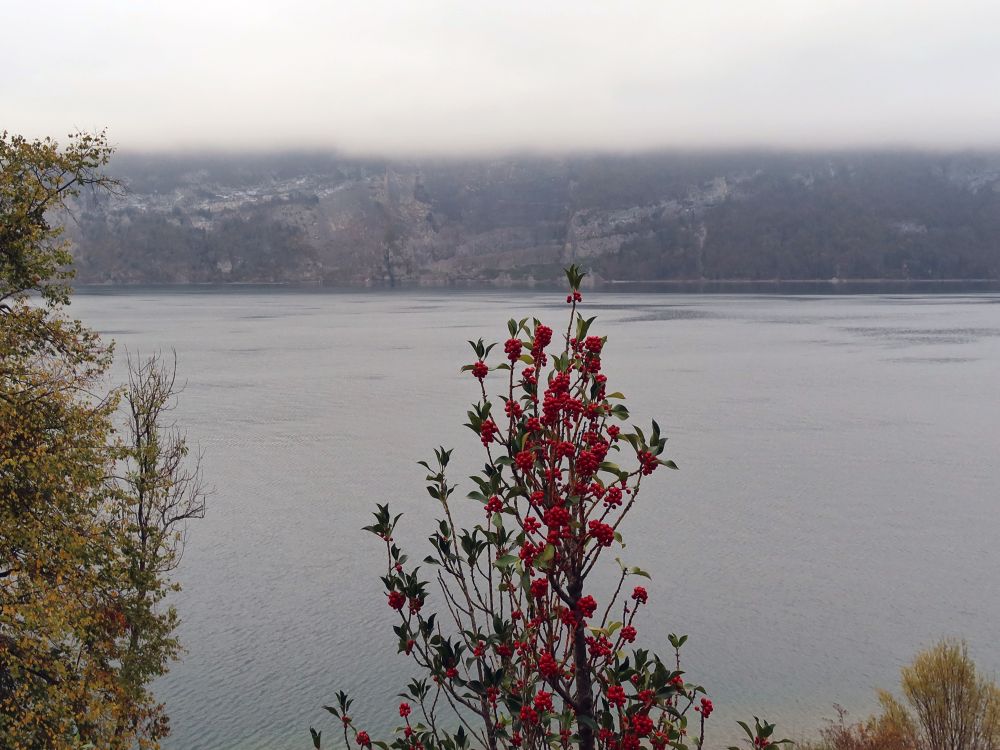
[584, 676]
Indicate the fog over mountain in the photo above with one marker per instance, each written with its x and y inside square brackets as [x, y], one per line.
[317, 218]
[454, 77]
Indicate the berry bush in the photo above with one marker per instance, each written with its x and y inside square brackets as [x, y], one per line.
[517, 652]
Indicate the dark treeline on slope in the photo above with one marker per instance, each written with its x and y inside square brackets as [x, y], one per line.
[321, 218]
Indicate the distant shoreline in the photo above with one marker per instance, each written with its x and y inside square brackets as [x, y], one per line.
[802, 281]
[811, 286]
[680, 286]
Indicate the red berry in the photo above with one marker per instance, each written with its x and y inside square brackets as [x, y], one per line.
[613, 497]
[616, 695]
[543, 336]
[647, 463]
[494, 505]
[706, 708]
[543, 701]
[603, 533]
[642, 724]
[487, 431]
[587, 606]
[512, 347]
[539, 588]
[397, 599]
[547, 665]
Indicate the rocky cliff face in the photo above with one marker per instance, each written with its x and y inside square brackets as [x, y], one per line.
[326, 220]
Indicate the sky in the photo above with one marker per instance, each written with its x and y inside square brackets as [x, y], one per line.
[477, 76]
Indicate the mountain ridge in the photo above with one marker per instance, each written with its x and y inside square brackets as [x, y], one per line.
[325, 219]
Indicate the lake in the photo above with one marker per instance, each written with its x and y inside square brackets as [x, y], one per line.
[836, 508]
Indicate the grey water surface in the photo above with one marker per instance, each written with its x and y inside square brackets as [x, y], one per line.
[836, 508]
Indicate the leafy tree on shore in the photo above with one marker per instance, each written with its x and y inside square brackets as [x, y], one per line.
[947, 704]
[157, 490]
[81, 562]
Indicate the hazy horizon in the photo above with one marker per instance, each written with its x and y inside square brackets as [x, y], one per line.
[268, 152]
[446, 78]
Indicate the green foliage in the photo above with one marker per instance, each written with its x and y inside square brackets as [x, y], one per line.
[36, 179]
[60, 619]
[760, 735]
[88, 521]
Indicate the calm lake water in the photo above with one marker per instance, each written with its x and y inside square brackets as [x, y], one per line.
[836, 508]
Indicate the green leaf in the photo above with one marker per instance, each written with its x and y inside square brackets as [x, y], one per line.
[506, 561]
[315, 737]
[546, 556]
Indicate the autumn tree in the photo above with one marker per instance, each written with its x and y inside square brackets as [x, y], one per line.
[74, 592]
[515, 647]
[947, 703]
[157, 491]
